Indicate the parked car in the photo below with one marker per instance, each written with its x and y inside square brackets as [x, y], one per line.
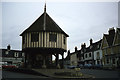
[80, 66]
[71, 67]
[4, 66]
[88, 66]
[98, 66]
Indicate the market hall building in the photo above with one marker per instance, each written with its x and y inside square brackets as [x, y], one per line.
[41, 40]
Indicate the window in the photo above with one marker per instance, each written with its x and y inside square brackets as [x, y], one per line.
[107, 61]
[91, 47]
[113, 60]
[23, 54]
[53, 37]
[98, 62]
[97, 54]
[16, 54]
[6, 52]
[34, 37]
[97, 46]
[89, 54]
[64, 39]
[86, 55]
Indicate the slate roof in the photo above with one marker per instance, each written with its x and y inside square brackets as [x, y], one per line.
[94, 46]
[38, 25]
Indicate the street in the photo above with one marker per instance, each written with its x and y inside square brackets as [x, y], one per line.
[7, 75]
[101, 73]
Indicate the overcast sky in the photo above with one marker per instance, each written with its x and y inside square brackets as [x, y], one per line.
[80, 20]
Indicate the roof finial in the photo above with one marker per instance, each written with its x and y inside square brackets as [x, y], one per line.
[44, 17]
[45, 6]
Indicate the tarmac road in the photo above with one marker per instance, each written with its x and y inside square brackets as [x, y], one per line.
[102, 73]
[13, 75]
[112, 75]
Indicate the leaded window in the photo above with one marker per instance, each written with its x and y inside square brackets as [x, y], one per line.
[34, 37]
[53, 37]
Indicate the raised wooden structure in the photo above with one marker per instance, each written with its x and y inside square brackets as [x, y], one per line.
[41, 40]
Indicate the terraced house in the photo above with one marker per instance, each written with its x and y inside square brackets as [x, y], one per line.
[93, 54]
[12, 57]
[111, 48]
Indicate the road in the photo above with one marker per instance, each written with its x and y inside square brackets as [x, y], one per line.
[14, 75]
[101, 73]
[97, 73]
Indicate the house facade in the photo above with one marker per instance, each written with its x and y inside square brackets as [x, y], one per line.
[105, 52]
[93, 53]
[111, 48]
[12, 57]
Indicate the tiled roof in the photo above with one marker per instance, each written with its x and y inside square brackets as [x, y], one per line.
[94, 46]
[38, 25]
[118, 29]
[109, 38]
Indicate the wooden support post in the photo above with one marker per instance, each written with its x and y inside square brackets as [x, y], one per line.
[57, 61]
[63, 60]
[25, 63]
[44, 64]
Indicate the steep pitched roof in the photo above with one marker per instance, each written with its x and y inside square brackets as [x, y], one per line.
[118, 30]
[38, 25]
[94, 46]
[110, 39]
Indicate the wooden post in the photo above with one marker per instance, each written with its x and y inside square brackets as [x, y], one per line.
[57, 61]
[44, 64]
[63, 60]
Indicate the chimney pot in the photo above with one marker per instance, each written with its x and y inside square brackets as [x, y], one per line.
[91, 41]
[8, 47]
[75, 49]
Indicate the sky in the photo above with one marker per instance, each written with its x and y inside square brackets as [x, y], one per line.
[80, 20]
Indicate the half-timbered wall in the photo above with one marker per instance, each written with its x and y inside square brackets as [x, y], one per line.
[44, 42]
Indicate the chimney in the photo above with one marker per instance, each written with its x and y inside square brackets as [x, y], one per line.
[81, 46]
[68, 52]
[68, 55]
[111, 31]
[91, 41]
[8, 47]
[75, 49]
[84, 45]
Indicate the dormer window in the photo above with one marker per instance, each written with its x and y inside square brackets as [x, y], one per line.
[34, 37]
[97, 46]
[16, 54]
[90, 47]
[53, 37]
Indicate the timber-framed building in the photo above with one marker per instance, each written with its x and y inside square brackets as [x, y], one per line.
[41, 40]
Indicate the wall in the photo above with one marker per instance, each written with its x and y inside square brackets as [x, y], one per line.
[58, 44]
